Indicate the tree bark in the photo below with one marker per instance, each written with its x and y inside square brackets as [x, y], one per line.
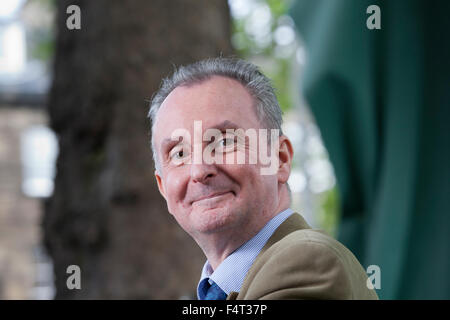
[106, 214]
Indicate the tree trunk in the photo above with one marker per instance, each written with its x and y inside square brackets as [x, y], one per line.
[106, 214]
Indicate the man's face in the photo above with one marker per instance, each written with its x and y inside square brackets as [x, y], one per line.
[207, 198]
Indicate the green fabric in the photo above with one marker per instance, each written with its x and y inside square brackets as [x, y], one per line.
[381, 99]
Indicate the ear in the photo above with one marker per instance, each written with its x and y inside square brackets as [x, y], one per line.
[160, 184]
[286, 153]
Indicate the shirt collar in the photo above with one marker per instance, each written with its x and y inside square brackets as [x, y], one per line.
[230, 274]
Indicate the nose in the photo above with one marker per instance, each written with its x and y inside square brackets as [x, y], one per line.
[203, 172]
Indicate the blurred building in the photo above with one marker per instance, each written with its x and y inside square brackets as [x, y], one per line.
[27, 150]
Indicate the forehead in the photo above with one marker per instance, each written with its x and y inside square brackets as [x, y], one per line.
[213, 101]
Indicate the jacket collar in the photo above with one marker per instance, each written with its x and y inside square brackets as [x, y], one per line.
[293, 223]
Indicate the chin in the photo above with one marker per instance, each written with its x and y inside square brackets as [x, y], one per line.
[214, 220]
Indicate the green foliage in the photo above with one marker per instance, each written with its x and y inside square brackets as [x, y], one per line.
[328, 213]
[248, 45]
[278, 7]
[40, 37]
[43, 48]
[280, 79]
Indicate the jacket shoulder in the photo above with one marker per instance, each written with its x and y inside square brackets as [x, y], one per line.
[307, 264]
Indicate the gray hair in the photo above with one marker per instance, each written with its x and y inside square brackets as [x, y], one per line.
[258, 85]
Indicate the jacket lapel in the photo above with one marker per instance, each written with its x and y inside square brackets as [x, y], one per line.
[293, 223]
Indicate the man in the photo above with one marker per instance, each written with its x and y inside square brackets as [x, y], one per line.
[239, 214]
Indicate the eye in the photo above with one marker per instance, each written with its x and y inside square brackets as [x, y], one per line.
[177, 153]
[226, 144]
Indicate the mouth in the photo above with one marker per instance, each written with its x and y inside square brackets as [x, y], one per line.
[213, 196]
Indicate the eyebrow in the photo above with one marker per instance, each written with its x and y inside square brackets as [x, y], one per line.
[224, 125]
[168, 143]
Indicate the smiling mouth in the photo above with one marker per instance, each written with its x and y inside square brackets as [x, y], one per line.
[213, 196]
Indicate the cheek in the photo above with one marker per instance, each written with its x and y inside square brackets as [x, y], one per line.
[244, 175]
[175, 189]
[254, 183]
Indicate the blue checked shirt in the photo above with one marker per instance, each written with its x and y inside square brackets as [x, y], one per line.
[230, 274]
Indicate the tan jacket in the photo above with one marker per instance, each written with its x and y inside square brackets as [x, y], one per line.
[300, 263]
